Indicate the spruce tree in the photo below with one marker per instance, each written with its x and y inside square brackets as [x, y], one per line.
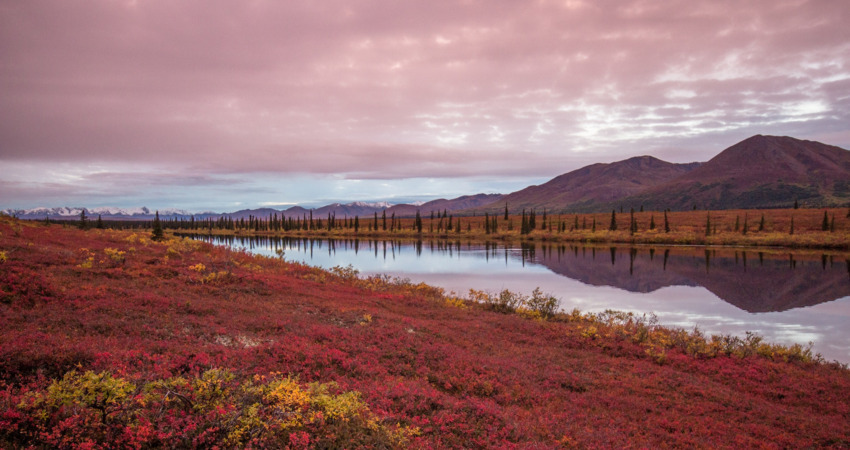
[825, 225]
[613, 225]
[157, 234]
[666, 223]
[761, 223]
[83, 220]
[99, 224]
[708, 224]
[418, 222]
[506, 211]
[792, 226]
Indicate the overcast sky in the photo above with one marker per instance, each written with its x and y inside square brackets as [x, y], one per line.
[222, 105]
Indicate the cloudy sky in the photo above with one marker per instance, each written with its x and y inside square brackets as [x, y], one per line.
[221, 105]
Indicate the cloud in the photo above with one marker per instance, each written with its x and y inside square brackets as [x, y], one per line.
[378, 90]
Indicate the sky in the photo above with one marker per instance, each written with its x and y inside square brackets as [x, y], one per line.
[223, 105]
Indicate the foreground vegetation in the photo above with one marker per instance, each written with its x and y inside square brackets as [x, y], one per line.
[111, 339]
[795, 228]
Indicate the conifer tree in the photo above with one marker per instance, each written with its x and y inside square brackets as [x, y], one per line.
[157, 234]
[357, 222]
[708, 224]
[594, 225]
[666, 223]
[825, 224]
[613, 225]
[651, 222]
[791, 231]
[761, 223]
[99, 224]
[418, 222]
[506, 211]
[83, 220]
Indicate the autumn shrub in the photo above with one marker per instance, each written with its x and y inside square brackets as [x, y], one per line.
[216, 408]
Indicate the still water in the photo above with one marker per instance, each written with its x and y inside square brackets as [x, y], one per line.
[786, 297]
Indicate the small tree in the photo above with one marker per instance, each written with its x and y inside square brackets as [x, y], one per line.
[157, 234]
[761, 223]
[708, 224]
[84, 221]
[99, 224]
[613, 225]
[506, 211]
[418, 222]
[666, 223]
[791, 231]
[825, 224]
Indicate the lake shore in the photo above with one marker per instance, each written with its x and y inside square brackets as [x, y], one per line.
[786, 228]
[194, 341]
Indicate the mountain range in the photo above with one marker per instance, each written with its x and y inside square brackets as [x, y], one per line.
[758, 172]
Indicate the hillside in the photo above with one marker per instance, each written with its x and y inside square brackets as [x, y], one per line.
[596, 184]
[760, 172]
[196, 345]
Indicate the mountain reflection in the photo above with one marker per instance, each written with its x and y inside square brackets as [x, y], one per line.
[755, 281]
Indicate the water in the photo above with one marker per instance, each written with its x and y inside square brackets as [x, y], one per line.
[786, 297]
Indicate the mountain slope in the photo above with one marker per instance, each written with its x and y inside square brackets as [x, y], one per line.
[441, 204]
[759, 172]
[596, 184]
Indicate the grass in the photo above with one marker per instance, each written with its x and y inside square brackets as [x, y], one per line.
[110, 339]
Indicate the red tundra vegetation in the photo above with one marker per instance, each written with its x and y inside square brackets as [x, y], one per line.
[112, 340]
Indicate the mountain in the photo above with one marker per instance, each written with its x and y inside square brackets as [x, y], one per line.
[590, 186]
[759, 172]
[111, 213]
[455, 204]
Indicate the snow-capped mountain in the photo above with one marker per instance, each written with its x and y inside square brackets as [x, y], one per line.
[66, 212]
[381, 205]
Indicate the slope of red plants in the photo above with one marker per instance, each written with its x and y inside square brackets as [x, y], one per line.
[111, 339]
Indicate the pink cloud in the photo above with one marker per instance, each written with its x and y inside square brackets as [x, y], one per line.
[435, 89]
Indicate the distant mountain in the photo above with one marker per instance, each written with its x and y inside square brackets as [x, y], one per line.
[455, 204]
[759, 172]
[110, 213]
[591, 186]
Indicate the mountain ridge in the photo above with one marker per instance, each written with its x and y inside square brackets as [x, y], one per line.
[759, 172]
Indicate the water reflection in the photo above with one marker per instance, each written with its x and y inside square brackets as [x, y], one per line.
[787, 297]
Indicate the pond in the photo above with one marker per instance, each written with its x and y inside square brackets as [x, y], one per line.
[786, 297]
